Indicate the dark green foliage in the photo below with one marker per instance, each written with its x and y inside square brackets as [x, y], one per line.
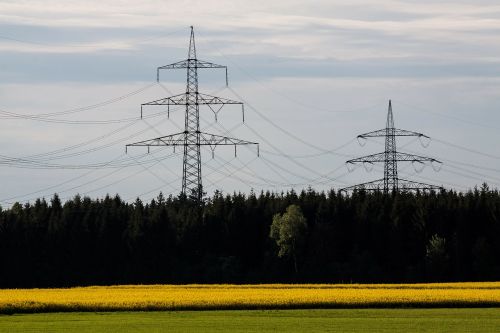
[365, 237]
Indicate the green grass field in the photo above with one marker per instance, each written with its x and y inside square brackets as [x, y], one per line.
[347, 320]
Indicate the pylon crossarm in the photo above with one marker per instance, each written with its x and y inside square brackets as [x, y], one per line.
[375, 158]
[177, 139]
[173, 100]
[208, 99]
[399, 157]
[404, 157]
[206, 64]
[191, 63]
[405, 184]
[400, 132]
[203, 99]
[376, 185]
[207, 139]
[176, 65]
[395, 131]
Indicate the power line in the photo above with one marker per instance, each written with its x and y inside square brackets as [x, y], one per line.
[39, 159]
[42, 116]
[269, 163]
[452, 162]
[470, 150]
[286, 96]
[421, 177]
[288, 133]
[451, 117]
[84, 45]
[121, 179]
[82, 176]
[231, 173]
[160, 187]
[54, 186]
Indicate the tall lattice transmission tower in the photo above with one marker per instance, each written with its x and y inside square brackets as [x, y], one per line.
[192, 138]
[390, 158]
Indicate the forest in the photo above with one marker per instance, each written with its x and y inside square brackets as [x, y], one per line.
[233, 238]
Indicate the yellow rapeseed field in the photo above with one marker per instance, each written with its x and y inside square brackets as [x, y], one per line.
[275, 296]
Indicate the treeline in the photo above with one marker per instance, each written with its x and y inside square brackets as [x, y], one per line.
[364, 237]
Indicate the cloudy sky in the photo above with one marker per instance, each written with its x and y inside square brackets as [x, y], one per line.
[313, 75]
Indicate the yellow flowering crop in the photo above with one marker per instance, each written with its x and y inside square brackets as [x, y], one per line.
[275, 296]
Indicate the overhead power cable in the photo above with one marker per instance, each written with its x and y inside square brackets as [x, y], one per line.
[453, 163]
[83, 45]
[470, 150]
[288, 133]
[449, 116]
[292, 99]
[40, 160]
[121, 179]
[78, 109]
[232, 173]
[57, 186]
[270, 163]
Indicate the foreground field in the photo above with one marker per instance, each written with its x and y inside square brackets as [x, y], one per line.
[290, 321]
[232, 297]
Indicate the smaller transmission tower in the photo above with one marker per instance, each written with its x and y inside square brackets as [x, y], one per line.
[192, 138]
[390, 158]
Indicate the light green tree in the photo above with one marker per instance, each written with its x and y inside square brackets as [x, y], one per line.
[289, 231]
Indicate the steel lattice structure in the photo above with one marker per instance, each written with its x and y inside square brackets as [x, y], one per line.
[390, 157]
[192, 138]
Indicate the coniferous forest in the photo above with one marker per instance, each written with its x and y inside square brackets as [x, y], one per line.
[362, 237]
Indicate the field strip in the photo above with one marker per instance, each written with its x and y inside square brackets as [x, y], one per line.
[227, 297]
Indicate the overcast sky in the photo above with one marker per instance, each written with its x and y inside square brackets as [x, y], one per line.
[313, 76]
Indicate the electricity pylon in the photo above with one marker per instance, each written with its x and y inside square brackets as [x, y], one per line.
[192, 138]
[390, 157]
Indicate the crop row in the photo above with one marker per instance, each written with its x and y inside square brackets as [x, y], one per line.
[279, 296]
